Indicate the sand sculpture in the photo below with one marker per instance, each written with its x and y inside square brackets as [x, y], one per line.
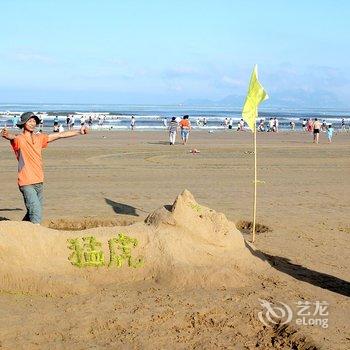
[184, 245]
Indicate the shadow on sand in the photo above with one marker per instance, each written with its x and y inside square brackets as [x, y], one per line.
[302, 273]
[11, 209]
[120, 208]
[2, 218]
[165, 143]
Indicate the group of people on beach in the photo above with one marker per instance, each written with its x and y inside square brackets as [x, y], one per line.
[175, 124]
[315, 126]
[271, 126]
[89, 120]
[70, 122]
[183, 124]
[202, 121]
[308, 125]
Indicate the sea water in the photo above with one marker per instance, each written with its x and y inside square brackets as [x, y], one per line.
[150, 117]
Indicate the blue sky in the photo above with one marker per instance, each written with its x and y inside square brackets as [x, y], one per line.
[168, 51]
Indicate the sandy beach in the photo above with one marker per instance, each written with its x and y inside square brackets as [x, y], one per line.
[119, 178]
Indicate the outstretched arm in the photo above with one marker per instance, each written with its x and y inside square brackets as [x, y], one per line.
[63, 135]
[6, 135]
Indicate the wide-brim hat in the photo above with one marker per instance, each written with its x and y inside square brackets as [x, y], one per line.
[25, 117]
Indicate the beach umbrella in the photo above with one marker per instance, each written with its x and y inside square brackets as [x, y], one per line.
[255, 95]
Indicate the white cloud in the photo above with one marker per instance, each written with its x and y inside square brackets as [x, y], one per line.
[182, 72]
[31, 57]
[232, 82]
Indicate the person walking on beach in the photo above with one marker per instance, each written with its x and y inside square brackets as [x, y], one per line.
[270, 125]
[132, 123]
[241, 125]
[28, 147]
[317, 127]
[14, 121]
[41, 123]
[172, 130]
[72, 122]
[261, 126]
[303, 124]
[185, 126]
[100, 120]
[230, 123]
[309, 125]
[55, 121]
[343, 124]
[330, 132]
[68, 121]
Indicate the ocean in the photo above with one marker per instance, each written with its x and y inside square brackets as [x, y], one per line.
[150, 117]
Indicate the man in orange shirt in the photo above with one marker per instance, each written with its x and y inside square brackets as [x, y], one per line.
[27, 147]
[185, 126]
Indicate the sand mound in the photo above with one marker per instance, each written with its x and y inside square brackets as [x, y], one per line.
[183, 245]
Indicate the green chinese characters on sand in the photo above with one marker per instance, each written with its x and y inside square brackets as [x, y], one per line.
[87, 252]
[196, 207]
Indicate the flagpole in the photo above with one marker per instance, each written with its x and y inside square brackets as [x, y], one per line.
[255, 184]
[255, 95]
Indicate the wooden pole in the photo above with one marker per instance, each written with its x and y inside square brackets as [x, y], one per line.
[255, 185]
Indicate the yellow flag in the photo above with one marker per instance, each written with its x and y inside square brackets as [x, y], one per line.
[256, 94]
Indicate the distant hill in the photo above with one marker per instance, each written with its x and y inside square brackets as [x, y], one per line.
[290, 99]
[230, 100]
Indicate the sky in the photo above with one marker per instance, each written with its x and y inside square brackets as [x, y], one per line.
[167, 52]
